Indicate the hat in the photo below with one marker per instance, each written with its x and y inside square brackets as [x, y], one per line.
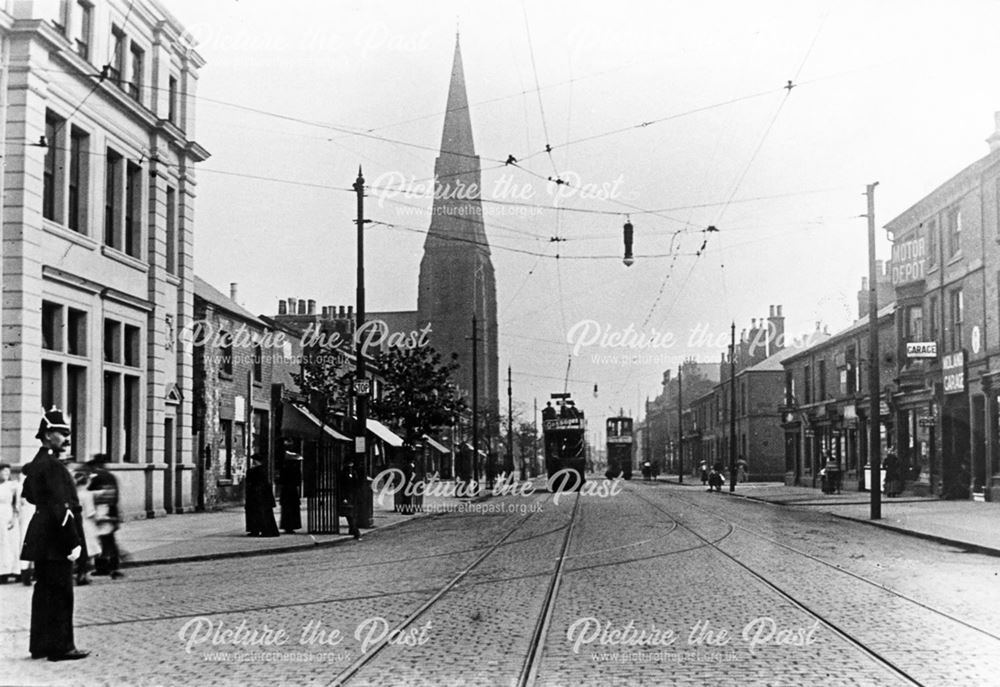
[52, 421]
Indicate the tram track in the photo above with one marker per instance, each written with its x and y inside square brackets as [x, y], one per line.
[873, 583]
[827, 622]
[533, 656]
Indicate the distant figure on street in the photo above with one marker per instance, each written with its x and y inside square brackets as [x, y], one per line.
[10, 528]
[108, 518]
[715, 478]
[291, 491]
[52, 543]
[893, 474]
[742, 467]
[350, 486]
[259, 501]
[703, 467]
[88, 525]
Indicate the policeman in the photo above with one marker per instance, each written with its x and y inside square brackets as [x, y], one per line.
[52, 542]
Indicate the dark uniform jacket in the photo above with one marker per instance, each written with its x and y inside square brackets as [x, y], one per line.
[52, 533]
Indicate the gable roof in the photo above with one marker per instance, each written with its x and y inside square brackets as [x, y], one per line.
[210, 294]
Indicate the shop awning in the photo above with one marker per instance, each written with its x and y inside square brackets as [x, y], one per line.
[431, 442]
[384, 433]
[297, 420]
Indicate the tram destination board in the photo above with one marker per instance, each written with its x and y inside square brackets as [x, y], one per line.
[563, 423]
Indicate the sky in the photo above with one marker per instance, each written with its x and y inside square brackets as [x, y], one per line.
[672, 115]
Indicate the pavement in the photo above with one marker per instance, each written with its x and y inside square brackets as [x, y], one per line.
[221, 533]
[969, 525]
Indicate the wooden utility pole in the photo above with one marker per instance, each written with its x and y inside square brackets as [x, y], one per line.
[509, 466]
[874, 394]
[680, 429]
[732, 409]
[475, 404]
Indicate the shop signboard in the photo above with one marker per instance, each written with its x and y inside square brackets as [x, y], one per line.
[921, 349]
[926, 421]
[908, 260]
[953, 372]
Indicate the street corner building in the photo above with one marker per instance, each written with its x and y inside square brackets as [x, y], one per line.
[99, 152]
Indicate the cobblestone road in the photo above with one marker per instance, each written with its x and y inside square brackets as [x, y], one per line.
[661, 585]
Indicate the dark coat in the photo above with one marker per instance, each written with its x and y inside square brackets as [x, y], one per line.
[52, 532]
[260, 503]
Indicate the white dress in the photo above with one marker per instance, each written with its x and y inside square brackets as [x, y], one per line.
[89, 511]
[10, 530]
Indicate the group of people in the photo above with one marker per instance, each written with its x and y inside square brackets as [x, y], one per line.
[715, 476]
[259, 497]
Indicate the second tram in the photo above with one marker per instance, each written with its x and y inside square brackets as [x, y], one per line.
[618, 431]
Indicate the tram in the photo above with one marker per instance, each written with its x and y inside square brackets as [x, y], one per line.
[618, 431]
[565, 442]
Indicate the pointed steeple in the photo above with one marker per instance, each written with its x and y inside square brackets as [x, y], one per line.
[457, 135]
[457, 211]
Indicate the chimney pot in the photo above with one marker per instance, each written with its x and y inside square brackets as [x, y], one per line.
[302, 307]
[233, 290]
[341, 313]
[311, 307]
[350, 312]
[292, 307]
[282, 307]
[778, 307]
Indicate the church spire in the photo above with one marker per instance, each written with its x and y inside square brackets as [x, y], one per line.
[457, 135]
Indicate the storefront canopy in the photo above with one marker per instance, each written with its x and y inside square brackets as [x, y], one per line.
[384, 433]
[431, 442]
[298, 421]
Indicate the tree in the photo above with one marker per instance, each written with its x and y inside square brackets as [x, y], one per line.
[418, 394]
[326, 379]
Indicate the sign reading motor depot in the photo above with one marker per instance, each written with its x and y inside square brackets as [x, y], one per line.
[908, 260]
[953, 372]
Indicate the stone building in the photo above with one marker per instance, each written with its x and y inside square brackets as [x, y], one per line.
[98, 186]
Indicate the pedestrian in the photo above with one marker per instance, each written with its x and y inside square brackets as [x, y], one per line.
[742, 467]
[893, 474]
[831, 469]
[10, 527]
[350, 496]
[704, 472]
[715, 478]
[52, 543]
[108, 519]
[291, 490]
[259, 500]
[88, 526]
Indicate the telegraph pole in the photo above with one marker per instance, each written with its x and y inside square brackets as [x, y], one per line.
[534, 437]
[732, 409]
[680, 429]
[361, 388]
[875, 411]
[475, 405]
[509, 467]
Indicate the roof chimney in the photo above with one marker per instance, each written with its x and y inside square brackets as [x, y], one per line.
[312, 307]
[282, 307]
[232, 291]
[292, 307]
[302, 306]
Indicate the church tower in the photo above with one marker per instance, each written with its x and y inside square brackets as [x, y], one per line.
[456, 272]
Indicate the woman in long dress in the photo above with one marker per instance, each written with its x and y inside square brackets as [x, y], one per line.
[10, 528]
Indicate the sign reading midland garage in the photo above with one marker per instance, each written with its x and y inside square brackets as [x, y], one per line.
[908, 260]
[953, 372]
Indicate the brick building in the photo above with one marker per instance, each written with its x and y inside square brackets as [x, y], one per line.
[946, 264]
[99, 154]
[825, 406]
